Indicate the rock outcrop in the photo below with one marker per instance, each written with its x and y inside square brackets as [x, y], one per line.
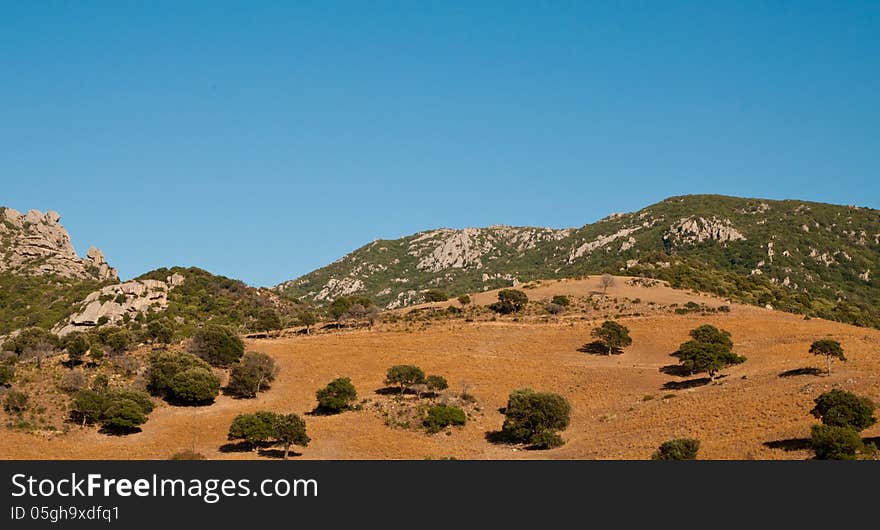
[699, 229]
[110, 304]
[36, 243]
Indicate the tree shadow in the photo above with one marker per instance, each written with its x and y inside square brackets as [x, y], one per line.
[790, 444]
[684, 385]
[676, 370]
[241, 447]
[801, 371]
[499, 438]
[597, 348]
[321, 411]
[394, 391]
[119, 431]
[277, 453]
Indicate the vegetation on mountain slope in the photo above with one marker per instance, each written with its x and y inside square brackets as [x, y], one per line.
[811, 258]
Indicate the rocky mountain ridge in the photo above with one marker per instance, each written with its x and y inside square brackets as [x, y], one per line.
[36, 243]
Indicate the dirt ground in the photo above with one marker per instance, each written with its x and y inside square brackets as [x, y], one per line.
[622, 405]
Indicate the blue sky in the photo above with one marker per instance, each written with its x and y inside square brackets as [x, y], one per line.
[260, 140]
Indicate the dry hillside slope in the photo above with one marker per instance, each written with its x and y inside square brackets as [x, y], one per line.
[612, 418]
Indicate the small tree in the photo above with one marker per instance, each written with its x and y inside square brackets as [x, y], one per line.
[290, 429]
[118, 342]
[442, 416]
[308, 319]
[554, 309]
[7, 374]
[510, 301]
[677, 449]
[252, 374]
[160, 331]
[530, 417]
[164, 365]
[404, 376]
[253, 429]
[835, 443]
[267, 319]
[15, 402]
[123, 415]
[709, 351]
[612, 335]
[337, 396]
[606, 281]
[830, 349]
[464, 299]
[435, 383]
[73, 381]
[194, 386]
[839, 408]
[88, 406]
[76, 345]
[561, 299]
[218, 345]
[435, 295]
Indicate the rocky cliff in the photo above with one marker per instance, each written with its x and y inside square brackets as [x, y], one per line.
[36, 243]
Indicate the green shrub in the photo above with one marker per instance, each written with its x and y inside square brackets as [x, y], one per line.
[561, 299]
[194, 386]
[677, 449]
[76, 345]
[510, 301]
[831, 442]
[530, 414]
[252, 374]
[188, 454]
[546, 440]
[7, 374]
[164, 365]
[839, 408]
[464, 299]
[15, 402]
[435, 295]
[218, 345]
[337, 396]
[405, 376]
[442, 416]
[436, 382]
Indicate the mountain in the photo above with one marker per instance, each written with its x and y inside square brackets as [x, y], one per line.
[41, 276]
[806, 257]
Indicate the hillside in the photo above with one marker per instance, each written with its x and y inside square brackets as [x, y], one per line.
[623, 405]
[41, 276]
[811, 258]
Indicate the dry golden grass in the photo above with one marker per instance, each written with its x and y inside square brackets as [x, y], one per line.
[611, 418]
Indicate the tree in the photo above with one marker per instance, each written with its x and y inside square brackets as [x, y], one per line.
[435, 295]
[606, 281]
[442, 416]
[554, 309]
[529, 415]
[160, 331]
[677, 449]
[73, 381]
[15, 402]
[510, 301]
[709, 351]
[253, 429]
[337, 396]
[464, 299]
[612, 335]
[76, 345]
[405, 375]
[561, 299]
[831, 442]
[290, 429]
[194, 386]
[269, 428]
[88, 406]
[830, 349]
[839, 408]
[435, 383]
[252, 374]
[164, 365]
[218, 345]
[118, 342]
[123, 415]
[7, 373]
[308, 319]
[267, 319]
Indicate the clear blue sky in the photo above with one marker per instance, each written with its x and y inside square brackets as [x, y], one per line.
[260, 140]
